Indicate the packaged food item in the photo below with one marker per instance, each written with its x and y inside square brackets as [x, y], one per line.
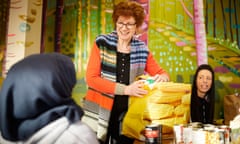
[166, 104]
[235, 130]
[226, 130]
[153, 134]
[178, 133]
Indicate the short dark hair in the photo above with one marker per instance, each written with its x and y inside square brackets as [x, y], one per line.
[128, 9]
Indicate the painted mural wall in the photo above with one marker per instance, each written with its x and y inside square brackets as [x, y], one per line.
[171, 37]
[169, 31]
[24, 31]
[3, 31]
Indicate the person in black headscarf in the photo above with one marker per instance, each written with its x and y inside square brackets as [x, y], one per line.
[36, 104]
[203, 95]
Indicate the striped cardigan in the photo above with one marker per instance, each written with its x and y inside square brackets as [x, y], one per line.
[101, 78]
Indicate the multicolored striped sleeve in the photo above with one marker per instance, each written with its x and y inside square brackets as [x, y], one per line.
[93, 73]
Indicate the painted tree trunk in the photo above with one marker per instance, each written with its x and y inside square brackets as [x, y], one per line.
[58, 25]
[200, 33]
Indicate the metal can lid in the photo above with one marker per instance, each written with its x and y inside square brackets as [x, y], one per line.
[208, 125]
[152, 125]
[223, 127]
[196, 125]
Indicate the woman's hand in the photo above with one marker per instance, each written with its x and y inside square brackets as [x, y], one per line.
[135, 89]
[160, 78]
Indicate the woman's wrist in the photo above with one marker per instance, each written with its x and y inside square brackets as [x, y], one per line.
[120, 89]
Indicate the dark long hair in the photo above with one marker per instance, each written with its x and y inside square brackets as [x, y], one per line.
[196, 102]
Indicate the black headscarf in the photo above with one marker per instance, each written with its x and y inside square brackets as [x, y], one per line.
[208, 102]
[36, 91]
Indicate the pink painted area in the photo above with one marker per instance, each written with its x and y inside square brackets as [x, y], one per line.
[211, 48]
[11, 43]
[235, 85]
[11, 54]
[200, 34]
[11, 35]
[144, 29]
[186, 10]
[199, 27]
[221, 69]
[200, 30]
[181, 43]
[237, 66]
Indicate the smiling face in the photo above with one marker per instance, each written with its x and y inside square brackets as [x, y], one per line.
[204, 82]
[125, 27]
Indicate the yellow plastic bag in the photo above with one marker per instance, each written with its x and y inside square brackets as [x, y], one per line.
[167, 103]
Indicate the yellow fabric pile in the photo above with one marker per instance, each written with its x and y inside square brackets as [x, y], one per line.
[167, 103]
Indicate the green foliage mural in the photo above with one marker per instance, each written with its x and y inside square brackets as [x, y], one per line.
[170, 38]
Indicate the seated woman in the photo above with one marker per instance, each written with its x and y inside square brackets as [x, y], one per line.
[203, 95]
[36, 104]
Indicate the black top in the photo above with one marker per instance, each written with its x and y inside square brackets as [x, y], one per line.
[120, 104]
[202, 111]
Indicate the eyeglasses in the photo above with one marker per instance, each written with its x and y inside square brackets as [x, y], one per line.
[128, 25]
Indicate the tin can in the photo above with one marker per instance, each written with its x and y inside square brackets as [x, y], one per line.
[153, 134]
[198, 136]
[226, 130]
[214, 136]
[187, 134]
[221, 133]
[178, 133]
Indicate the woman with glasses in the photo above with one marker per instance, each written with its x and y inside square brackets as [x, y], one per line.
[116, 60]
[203, 95]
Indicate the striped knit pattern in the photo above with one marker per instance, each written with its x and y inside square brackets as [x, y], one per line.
[95, 115]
